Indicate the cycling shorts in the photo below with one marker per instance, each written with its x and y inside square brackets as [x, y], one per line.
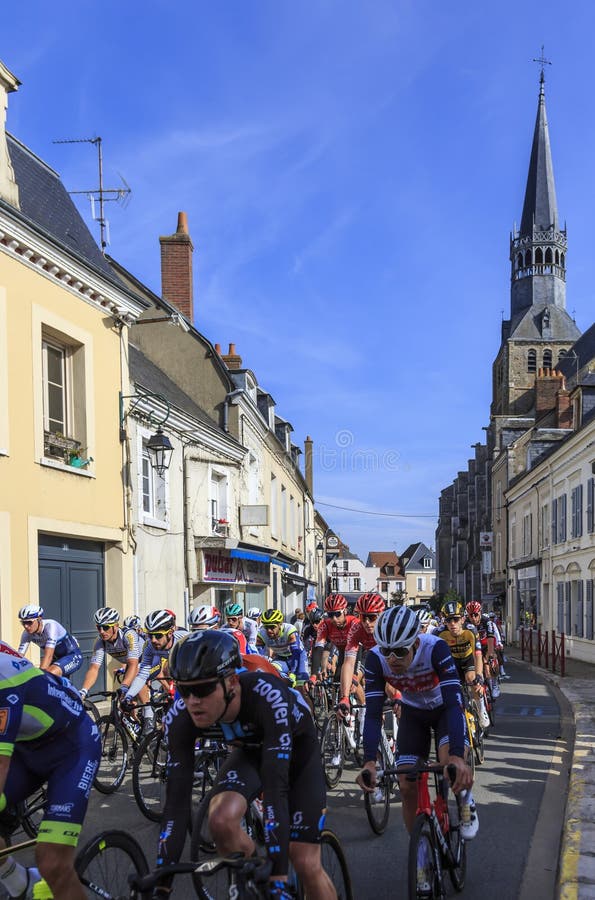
[414, 735]
[464, 666]
[307, 792]
[69, 663]
[67, 762]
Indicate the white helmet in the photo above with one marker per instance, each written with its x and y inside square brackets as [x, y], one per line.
[204, 615]
[30, 612]
[106, 616]
[397, 627]
[425, 617]
[253, 612]
[132, 622]
[160, 620]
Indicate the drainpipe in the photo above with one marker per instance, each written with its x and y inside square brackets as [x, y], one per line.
[189, 551]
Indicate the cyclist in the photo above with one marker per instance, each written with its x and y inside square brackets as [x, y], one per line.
[332, 630]
[422, 668]
[275, 751]
[280, 641]
[310, 629]
[359, 640]
[486, 630]
[425, 620]
[59, 651]
[123, 646]
[234, 616]
[465, 647]
[202, 617]
[45, 737]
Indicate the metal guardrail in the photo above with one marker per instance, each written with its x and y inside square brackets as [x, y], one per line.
[543, 646]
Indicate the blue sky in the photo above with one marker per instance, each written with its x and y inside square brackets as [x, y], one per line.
[351, 172]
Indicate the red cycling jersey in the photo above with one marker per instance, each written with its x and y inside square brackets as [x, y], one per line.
[328, 630]
[358, 635]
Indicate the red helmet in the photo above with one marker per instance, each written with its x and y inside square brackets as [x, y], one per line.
[473, 608]
[311, 607]
[335, 603]
[369, 603]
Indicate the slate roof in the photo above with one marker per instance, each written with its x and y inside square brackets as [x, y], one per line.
[540, 206]
[584, 349]
[414, 555]
[527, 325]
[47, 205]
[148, 375]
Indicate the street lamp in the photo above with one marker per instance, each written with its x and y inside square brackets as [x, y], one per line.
[160, 450]
[335, 576]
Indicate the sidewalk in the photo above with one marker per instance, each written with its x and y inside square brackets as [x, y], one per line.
[576, 877]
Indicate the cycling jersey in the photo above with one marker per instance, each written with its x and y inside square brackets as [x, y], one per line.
[328, 630]
[485, 629]
[126, 646]
[150, 663]
[358, 635]
[277, 752]
[462, 646]
[67, 654]
[286, 647]
[250, 629]
[430, 686]
[46, 732]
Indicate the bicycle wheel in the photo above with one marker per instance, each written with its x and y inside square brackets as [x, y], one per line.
[478, 746]
[92, 710]
[423, 871]
[378, 804]
[319, 699]
[114, 756]
[107, 861]
[335, 865]
[358, 735]
[332, 747]
[31, 812]
[149, 775]
[456, 845]
[490, 705]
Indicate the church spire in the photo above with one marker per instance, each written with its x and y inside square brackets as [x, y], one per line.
[538, 249]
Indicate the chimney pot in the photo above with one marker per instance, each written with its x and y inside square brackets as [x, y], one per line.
[182, 223]
[232, 350]
[218, 349]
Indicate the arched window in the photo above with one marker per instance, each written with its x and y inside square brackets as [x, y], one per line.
[532, 361]
[561, 355]
[528, 258]
[557, 257]
[547, 359]
[548, 256]
[562, 262]
[519, 261]
[539, 257]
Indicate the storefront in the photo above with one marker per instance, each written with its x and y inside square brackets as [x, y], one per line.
[236, 575]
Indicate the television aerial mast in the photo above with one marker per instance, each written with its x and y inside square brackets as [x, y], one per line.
[101, 195]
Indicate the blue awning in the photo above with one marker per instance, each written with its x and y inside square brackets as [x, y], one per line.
[278, 562]
[250, 554]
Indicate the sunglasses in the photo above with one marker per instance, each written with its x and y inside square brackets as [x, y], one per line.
[26, 623]
[453, 619]
[336, 614]
[157, 634]
[232, 618]
[397, 652]
[369, 617]
[270, 627]
[104, 627]
[203, 689]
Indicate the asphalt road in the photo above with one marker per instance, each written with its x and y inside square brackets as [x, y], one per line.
[523, 755]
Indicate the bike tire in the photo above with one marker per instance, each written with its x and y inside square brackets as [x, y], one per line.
[149, 775]
[91, 710]
[107, 860]
[332, 748]
[319, 699]
[457, 846]
[478, 747]
[335, 865]
[378, 810]
[358, 733]
[31, 812]
[422, 836]
[491, 706]
[114, 756]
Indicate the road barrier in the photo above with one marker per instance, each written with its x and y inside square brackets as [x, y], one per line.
[544, 644]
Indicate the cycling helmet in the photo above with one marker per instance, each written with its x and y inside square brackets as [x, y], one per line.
[203, 615]
[473, 608]
[316, 616]
[311, 607]
[106, 616]
[30, 612]
[272, 617]
[160, 620]
[452, 608]
[132, 622]
[369, 603]
[203, 655]
[335, 603]
[234, 609]
[253, 612]
[397, 627]
[425, 617]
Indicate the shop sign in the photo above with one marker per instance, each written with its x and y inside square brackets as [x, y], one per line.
[220, 567]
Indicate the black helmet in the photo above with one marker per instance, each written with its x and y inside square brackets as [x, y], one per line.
[204, 654]
[316, 616]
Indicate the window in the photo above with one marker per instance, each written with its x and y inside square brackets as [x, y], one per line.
[389, 570]
[527, 534]
[589, 610]
[545, 526]
[590, 505]
[547, 359]
[274, 511]
[55, 397]
[513, 552]
[498, 501]
[427, 562]
[568, 609]
[433, 585]
[555, 521]
[384, 586]
[579, 620]
[421, 584]
[576, 506]
[334, 585]
[153, 489]
[531, 360]
[560, 607]
[399, 585]
[562, 518]
[218, 504]
[291, 521]
[346, 565]
[283, 514]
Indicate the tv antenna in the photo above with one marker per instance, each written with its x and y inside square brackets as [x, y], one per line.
[101, 195]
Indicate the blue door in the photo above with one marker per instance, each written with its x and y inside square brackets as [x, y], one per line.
[71, 588]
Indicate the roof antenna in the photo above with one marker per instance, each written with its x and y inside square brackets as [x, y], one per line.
[120, 195]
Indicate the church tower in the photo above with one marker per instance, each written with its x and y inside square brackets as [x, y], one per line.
[539, 331]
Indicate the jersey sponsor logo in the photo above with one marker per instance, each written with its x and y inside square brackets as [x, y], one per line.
[10, 651]
[19, 664]
[60, 809]
[87, 777]
[71, 704]
[275, 698]
[4, 719]
[12, 699]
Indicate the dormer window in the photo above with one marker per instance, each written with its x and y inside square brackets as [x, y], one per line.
[251, 388]
[427, 562]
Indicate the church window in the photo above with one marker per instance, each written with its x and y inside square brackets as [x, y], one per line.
[532, 361]
[562, 262]
[548, 255]
[561, 355]
[519, 261]
[557, 257]
[528, 258]
[539, 257]
[547, 359]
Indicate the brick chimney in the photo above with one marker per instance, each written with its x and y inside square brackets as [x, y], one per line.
[547, 385]
[231, 359]
[563, 409]
[176, 268]
[308, 469]
[9, 190]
